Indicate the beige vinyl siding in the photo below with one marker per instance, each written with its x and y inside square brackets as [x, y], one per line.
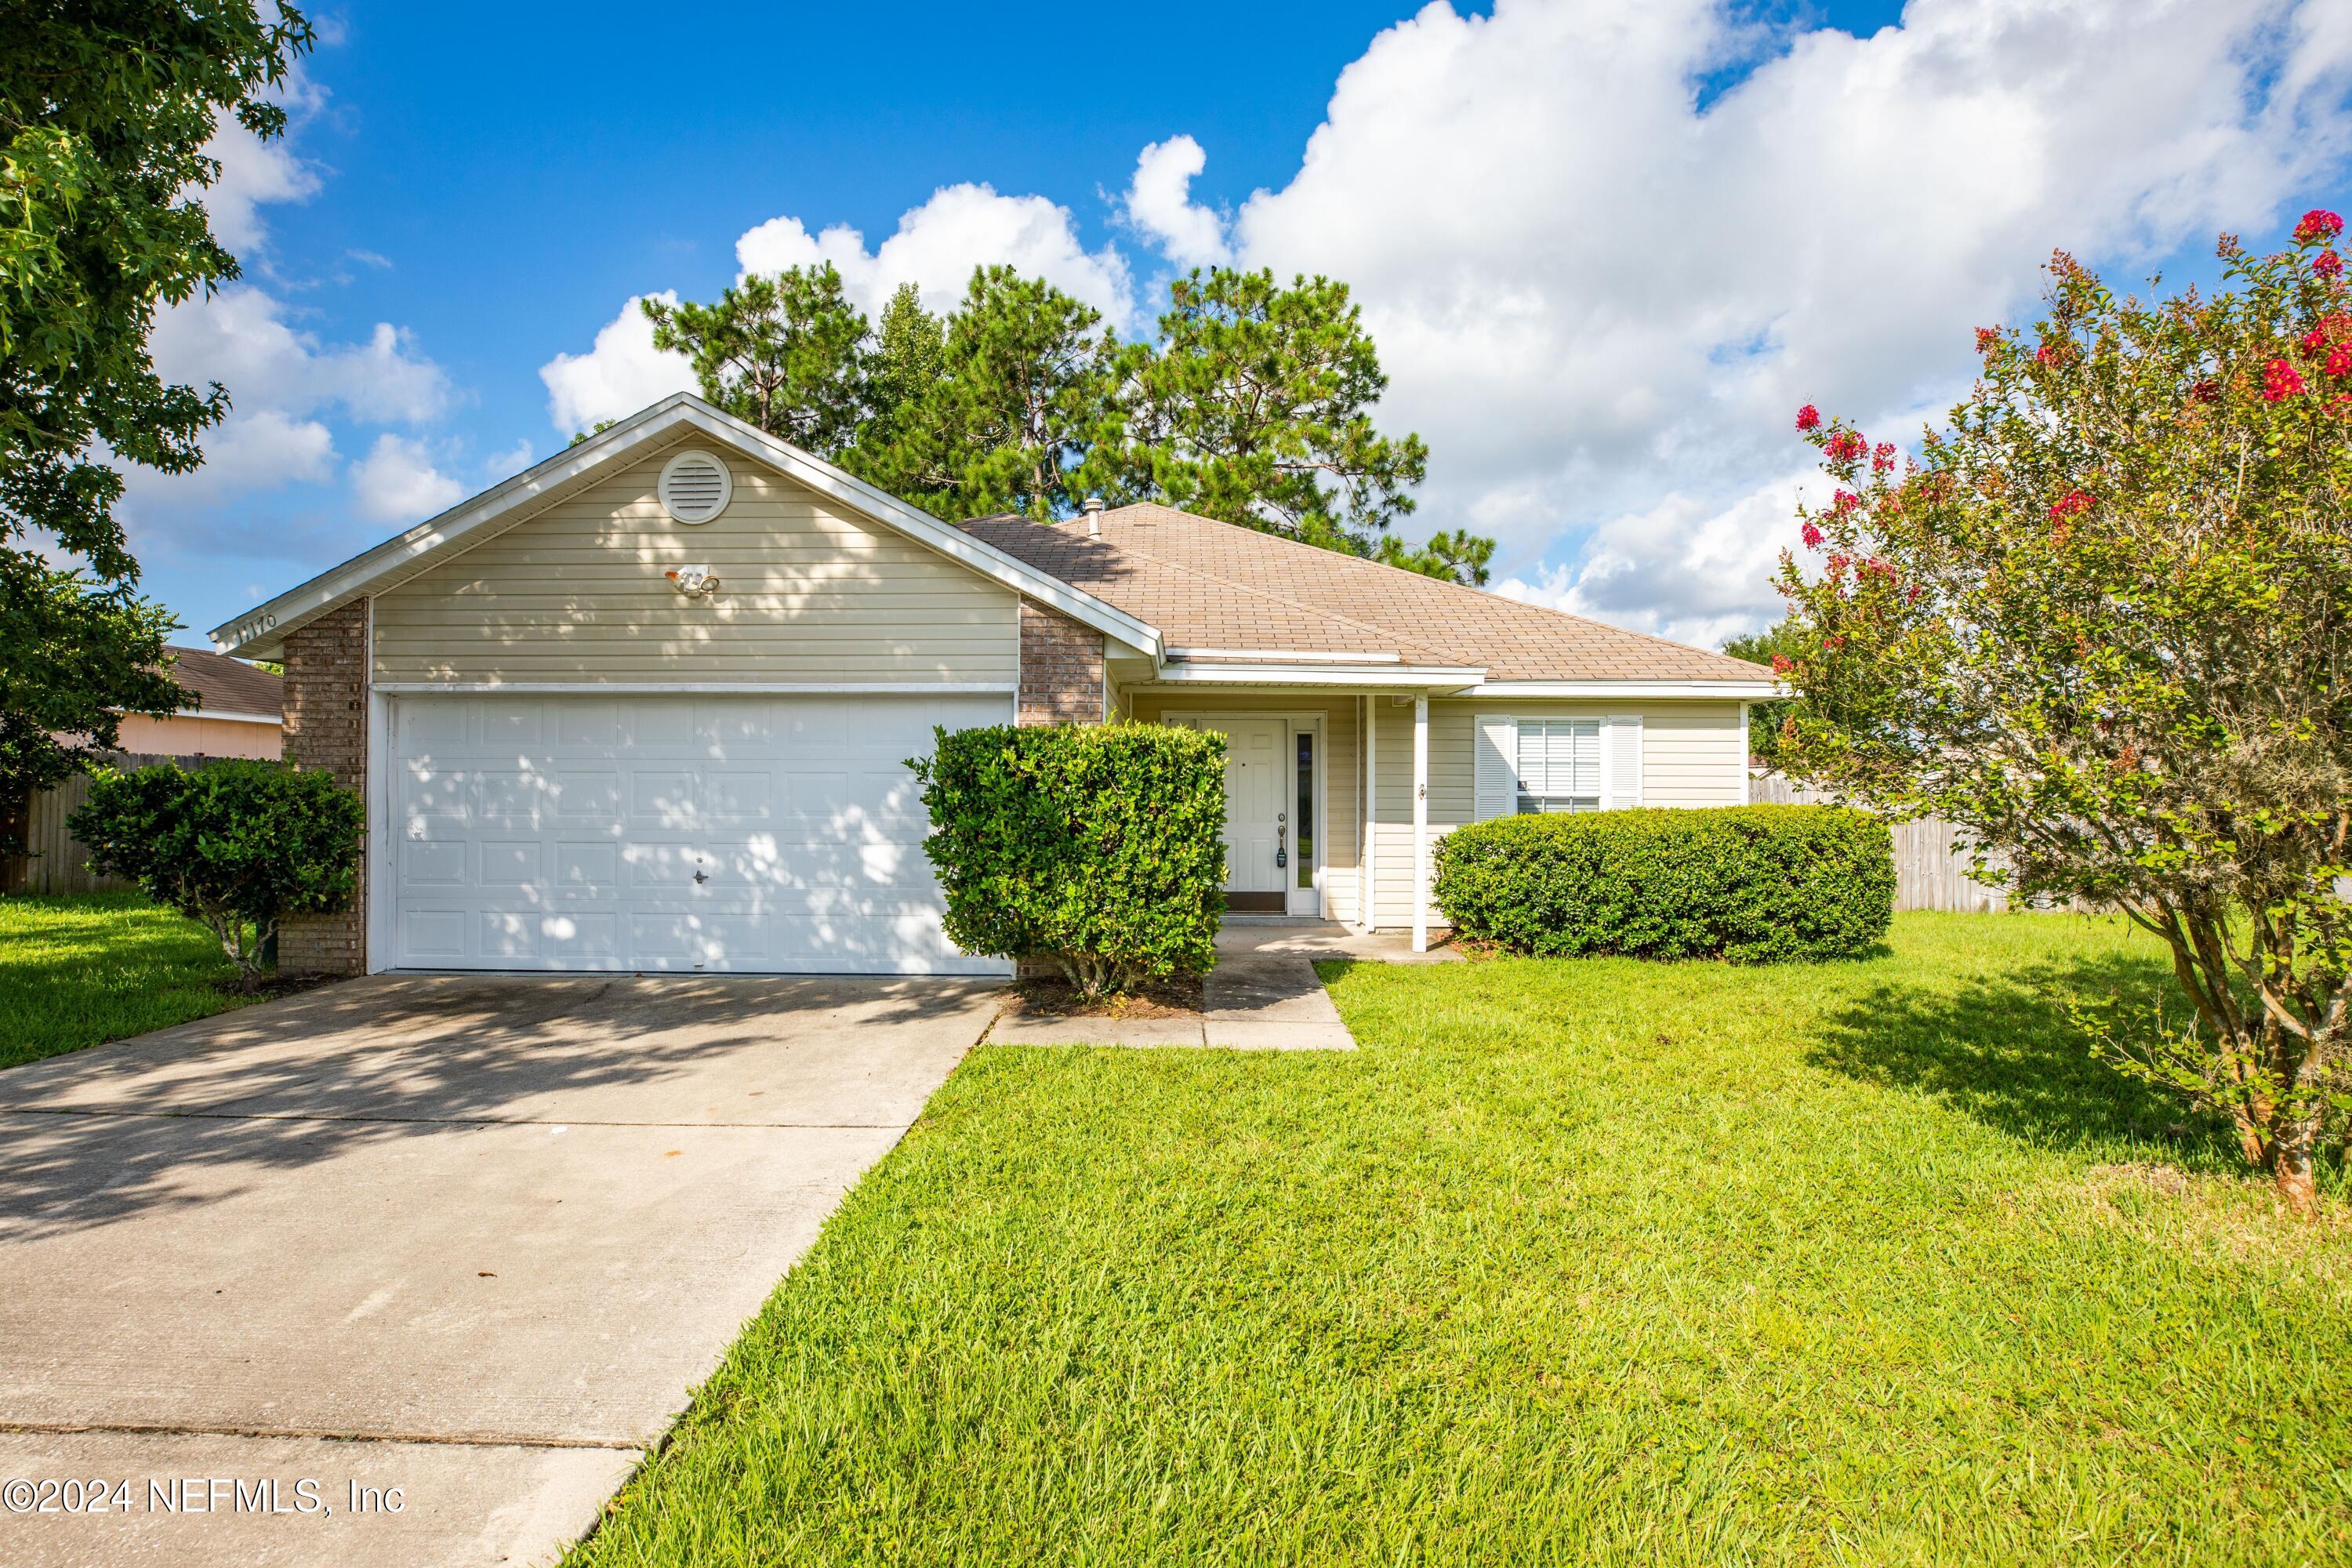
[808, 595]
[1693, 753]
[1343, 770]
[1450, 785]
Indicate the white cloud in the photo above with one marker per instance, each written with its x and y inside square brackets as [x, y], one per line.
[619, 375]
[1682, 568]
[246, 453]
[1590, 293]
[240, 338]
[505, 465]
[396, 482]
[254, 173]
[1159, 202]
[936, 246]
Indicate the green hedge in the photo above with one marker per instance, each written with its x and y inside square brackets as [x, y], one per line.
[237, 844]
[1753, 884]
[1099, 848]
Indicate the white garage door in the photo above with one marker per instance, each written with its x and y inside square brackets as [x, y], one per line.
[776, 833]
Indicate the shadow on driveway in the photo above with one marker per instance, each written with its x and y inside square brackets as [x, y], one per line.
[288, 1084]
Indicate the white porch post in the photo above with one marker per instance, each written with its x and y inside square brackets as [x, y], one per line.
[1421, 822]
[1369, 914]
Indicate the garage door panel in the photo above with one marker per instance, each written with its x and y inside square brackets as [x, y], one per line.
[430, 794]
[662, 796]
[566, 833]
[738, 727]
[658, 723]
[428, 934]
[512, 722]
[509, 797]
[587, 869]
[740, 797]
[586, 795]
[432, 864]
[507, 864]
[587, 723]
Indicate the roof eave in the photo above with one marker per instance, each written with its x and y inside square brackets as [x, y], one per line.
[1729, 688]
[1434, 679]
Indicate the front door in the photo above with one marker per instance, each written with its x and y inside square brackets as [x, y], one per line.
[1261, 851]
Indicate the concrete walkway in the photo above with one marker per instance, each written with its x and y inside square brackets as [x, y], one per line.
[1263, 995]
[470, 1238]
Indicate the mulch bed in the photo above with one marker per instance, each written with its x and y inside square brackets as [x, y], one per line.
[272, 986]
[1178, 999]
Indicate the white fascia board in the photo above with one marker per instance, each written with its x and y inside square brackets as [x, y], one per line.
[260, 629]
[227, 718]
[1282, 656]
[1741, 691]
[1446, 679]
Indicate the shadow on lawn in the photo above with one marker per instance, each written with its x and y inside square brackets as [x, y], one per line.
[2003, 1049]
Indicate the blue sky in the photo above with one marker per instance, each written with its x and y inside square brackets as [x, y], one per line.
[470, 192]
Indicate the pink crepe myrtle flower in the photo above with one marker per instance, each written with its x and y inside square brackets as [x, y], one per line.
[2315, 340]
[1811, 535]
[1882, 459]
[2327, 264]
[2280, 381]
[1809, 417]
[1782, 664]
[1844, 445]
[2073, 503]
[2339, 359]
[2318, 224]
[1986, 337]
[1845, 503]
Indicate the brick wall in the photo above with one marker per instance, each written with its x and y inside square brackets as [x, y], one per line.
[1061, 668]
[326, 727]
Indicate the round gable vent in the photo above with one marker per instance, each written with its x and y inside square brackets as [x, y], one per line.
[694, 486]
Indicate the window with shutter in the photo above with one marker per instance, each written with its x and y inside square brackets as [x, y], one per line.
[1560, 765]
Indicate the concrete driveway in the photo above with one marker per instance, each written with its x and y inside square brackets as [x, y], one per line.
[492, 1228]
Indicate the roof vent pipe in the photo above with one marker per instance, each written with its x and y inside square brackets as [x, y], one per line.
[1094, 517]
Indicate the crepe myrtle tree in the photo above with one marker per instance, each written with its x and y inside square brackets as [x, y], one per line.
[2104, 623]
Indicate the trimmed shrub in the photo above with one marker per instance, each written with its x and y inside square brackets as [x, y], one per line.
[1099, 848]
[237, 845]
[1753, 884]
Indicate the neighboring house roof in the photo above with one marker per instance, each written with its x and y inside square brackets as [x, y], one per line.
[224, 686]
[1218, 589]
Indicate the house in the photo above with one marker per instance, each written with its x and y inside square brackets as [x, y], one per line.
[648, 706]
[236, 713]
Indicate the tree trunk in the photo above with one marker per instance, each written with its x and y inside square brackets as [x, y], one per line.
[2291, 1165]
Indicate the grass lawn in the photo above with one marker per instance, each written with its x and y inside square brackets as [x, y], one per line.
[82, 969]
[1574, 1262]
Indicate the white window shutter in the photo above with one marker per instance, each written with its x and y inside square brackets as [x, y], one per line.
[1497, 773]
[1624, 761]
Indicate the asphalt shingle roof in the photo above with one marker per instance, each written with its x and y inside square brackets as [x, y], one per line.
[1213, 584]
[225, 685]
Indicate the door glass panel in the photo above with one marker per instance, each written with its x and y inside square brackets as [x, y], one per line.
[1305, 814]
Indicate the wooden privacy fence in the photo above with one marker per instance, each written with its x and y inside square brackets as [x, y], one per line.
[59, 863]
[1929, 873]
